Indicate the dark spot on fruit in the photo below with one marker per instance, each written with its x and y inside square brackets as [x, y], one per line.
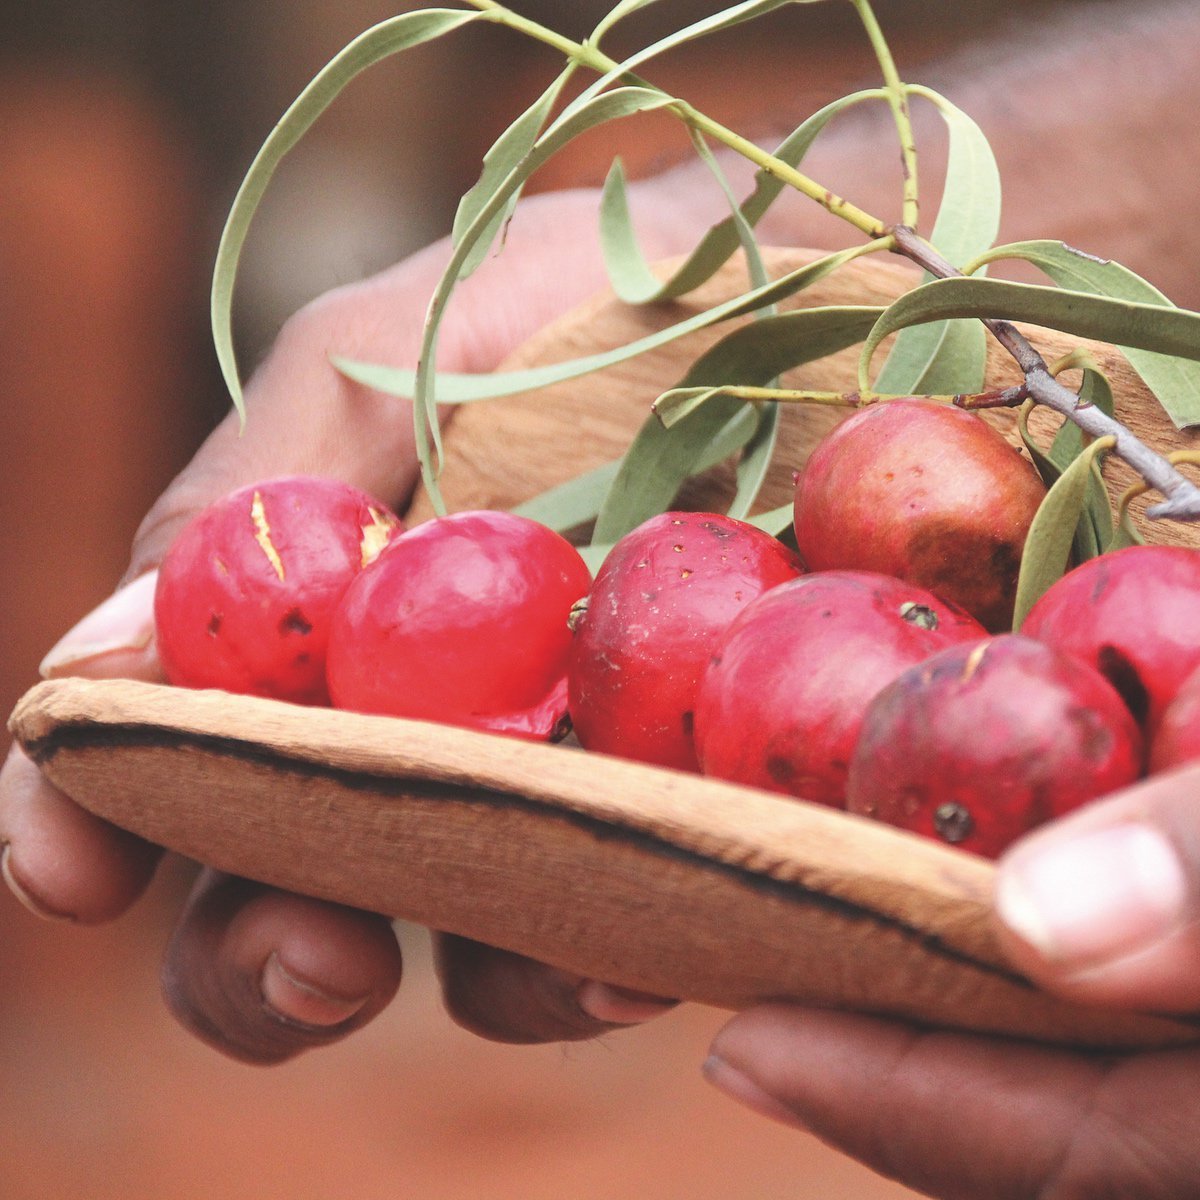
[650, 597]
[1120, 671]
[689, 723]
[715, 661]
[1095, 741]
[301, 659]
[920, 615]
[295, 622]
[826, 613]
[780, 770]
[678, 547]
[576, 615]
[214, 625]
[953, 822]
[718, 531]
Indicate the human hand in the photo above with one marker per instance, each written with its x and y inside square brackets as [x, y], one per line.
[1102, 908]
[259, 973]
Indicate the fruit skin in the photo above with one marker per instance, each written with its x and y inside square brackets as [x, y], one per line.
[246, 593]
[664, 594]
[925, 492]
[462, 620]
[1132, 614]
[1177, 738]
[784, 694]
[985, 741]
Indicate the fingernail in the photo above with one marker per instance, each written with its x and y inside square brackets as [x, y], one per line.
[26, 897]
[740, 1087]
[1096, 898]
[123, 624]
[620, 1006]
[302, 1003]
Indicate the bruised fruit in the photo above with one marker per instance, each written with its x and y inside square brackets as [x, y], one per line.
[784, 694]
[1131, 614]
[1177, 738]
[665, 593]
[988, 740]
[463, 620]
[925, 492]
[246, 593]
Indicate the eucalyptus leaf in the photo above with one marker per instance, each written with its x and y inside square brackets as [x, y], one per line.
[947, 356]
[659, 460]
[499, 162]
[463, 389]
[1119, 322]
[775, 520]
[755, 462]
[1175, 383]
[380, 42]
[1052, 533]
[628, 270]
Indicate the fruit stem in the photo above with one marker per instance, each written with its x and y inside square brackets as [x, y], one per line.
[1181, 496]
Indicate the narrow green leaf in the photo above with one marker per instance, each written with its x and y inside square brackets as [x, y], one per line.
[628, 269]
[1051, 536]
[498, 163]
[755, 462]
[1175, 383]
[463, 389]
[659, 460]
[774, 521]
[948, 357]
[1119, 322]
[380, 42]
[624, 9]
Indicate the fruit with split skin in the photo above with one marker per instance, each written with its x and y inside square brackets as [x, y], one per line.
[665, 593]
[246, 593]
[987, 740]
[924, 492]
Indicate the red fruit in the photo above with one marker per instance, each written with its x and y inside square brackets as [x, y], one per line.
[246, 593]
[988, 740]
[462, 620]
[784, 695]
[664, 595]
[925, 492]
[1133, 615]
[1177, 738]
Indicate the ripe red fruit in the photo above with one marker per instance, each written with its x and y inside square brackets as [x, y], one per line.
[988, 740]
[1132, 615]
[246, 593]
[784, 695]
[925, 492]
[1177, 738]
[665, 593]
[462, 620]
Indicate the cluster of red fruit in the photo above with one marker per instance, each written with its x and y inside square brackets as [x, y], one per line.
[872, 671]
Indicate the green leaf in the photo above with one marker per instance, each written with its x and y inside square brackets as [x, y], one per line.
[1051, 536]
[1120, 322]
[755, 462]
[380, 42]
[948, 357]
[628, 269]
[1175, 383]
[464, 389]
[774, 521]
[499, 162]
[659, 460]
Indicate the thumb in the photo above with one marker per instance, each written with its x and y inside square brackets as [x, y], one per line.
[1103, 906]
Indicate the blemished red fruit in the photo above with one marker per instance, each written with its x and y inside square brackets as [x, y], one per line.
[246, 593]
[986, 741]
[927, 493]
[463, 620]
[784, 694]
[664, 595]
[1132, 614]
[1177, 738]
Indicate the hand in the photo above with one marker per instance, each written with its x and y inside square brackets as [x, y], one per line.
[256, 972]
[1101, 907]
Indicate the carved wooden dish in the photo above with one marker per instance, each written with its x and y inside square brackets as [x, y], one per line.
[648, 878]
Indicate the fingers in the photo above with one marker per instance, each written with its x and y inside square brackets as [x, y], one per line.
[1104, 906]
[508, 998]
[967, 1118]
[60, 861]
[262, 975]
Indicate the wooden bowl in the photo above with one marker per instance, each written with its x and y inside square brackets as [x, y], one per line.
[652, 879]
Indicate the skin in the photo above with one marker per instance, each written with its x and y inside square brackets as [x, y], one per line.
[262, 975]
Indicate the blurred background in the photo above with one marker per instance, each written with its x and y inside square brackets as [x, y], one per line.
[125, 127]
